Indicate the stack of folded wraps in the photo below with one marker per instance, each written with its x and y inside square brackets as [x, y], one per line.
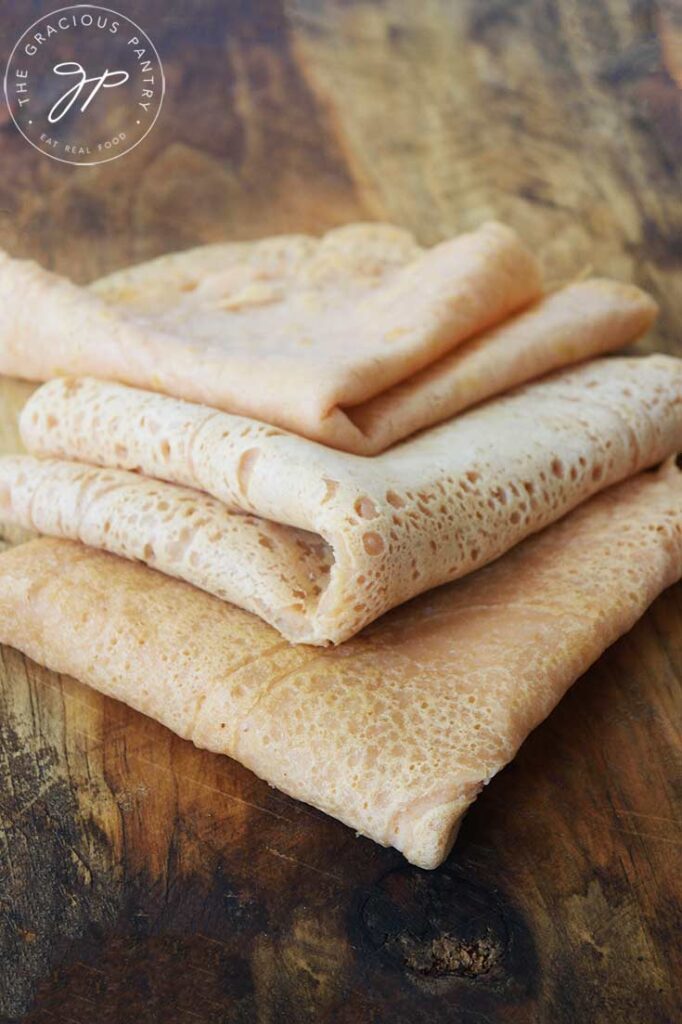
[244, 419]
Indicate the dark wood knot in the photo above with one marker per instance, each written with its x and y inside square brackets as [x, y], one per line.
[441, 924]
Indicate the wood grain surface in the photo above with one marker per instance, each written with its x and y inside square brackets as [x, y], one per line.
[144, 881]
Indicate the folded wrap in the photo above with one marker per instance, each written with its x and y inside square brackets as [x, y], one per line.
[396, 732]
[331, 540]
[356, 339]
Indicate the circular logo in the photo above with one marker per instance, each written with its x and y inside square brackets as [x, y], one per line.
[84, 84]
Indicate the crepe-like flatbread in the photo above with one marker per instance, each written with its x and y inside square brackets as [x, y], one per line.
[332, 540]
[356, 339]
[396, 732]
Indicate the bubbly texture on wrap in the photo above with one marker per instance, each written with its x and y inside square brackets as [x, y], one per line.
[356, 339]
[396, 732]
[330, 540]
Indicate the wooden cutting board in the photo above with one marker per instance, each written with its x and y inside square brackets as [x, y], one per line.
[143, 880]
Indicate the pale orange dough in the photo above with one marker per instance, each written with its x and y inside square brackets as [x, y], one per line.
[395, 732]
[331, 540]
[356, 339]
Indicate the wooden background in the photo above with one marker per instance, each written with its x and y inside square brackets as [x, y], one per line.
[144, 881]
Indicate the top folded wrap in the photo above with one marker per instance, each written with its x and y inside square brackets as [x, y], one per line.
[356, 339]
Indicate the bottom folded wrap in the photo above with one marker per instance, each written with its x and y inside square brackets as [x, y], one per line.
[395, 731]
